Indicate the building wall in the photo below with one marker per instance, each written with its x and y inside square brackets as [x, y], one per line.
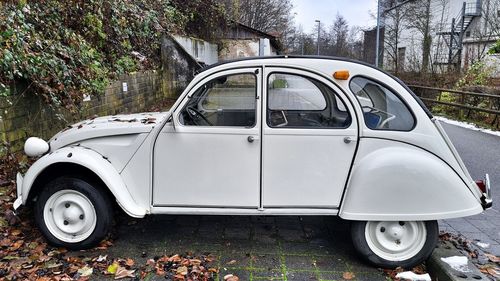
[26, 115]
[442, 13]
[203, 51]
[241, 48]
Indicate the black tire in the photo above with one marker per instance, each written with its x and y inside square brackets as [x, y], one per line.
[361, 245]
[96, 196]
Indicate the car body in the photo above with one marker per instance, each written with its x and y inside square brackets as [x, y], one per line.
[265, 136]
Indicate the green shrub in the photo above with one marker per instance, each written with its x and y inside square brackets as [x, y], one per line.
[495, 49]
[65, 49]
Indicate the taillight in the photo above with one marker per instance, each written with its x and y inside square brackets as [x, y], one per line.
[481, 185]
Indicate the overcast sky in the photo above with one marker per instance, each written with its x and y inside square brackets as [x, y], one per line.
[356, 12]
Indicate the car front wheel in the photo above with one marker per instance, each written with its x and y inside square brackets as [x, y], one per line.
[72, 213]
[390, 244]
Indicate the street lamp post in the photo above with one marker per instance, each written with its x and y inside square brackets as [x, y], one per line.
[319, 26]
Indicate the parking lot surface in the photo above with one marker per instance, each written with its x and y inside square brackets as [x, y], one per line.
[252, 248]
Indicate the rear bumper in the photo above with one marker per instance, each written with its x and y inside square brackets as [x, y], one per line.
[486, 200]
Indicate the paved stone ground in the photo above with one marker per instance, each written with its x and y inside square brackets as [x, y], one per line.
[264, 248]
[481, 154]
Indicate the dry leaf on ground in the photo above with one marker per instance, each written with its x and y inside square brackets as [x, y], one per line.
[348, 275]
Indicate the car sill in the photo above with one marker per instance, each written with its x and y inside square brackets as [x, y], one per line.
[235, 211]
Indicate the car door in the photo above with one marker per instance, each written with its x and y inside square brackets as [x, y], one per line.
[209, 154]
[308, 142]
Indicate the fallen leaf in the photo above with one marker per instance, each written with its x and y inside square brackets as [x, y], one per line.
[348, 275]
[179, 277]
[17, 245]
[195, 261]
[231, 277]
[231, 262]
[102, 258]
[121, 273]
[182, 270]
[85, 271]
[112, 268]
[493, 258]
[490, 270]
[129, 262]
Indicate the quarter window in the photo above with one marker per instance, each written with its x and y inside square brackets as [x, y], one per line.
[295, 101]
[382, 108]
[225, 101]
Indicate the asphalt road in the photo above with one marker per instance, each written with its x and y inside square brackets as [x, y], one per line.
[481, 154]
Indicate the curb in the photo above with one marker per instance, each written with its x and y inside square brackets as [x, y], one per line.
[441, 271]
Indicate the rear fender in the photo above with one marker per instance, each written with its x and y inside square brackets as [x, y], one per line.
[91, 160]
[391, 180]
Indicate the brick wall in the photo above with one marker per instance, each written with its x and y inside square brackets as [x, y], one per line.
[25, 115]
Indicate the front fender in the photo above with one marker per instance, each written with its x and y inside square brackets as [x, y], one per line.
[396, 181]
[91, 160]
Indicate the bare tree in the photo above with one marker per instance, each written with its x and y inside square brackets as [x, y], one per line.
[492, 17]
[265, 15]
[395, 21]
[419, 18]
[339, 32]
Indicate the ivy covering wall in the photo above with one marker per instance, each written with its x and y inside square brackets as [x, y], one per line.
[64, 50]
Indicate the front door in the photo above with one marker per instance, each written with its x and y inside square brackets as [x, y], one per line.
[209, 155]
[309, 140]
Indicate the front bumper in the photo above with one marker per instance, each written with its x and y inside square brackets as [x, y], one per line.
[19, 188]
[486, 200]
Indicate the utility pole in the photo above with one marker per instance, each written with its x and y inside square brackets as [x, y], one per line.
[319, 27]
[377, 43]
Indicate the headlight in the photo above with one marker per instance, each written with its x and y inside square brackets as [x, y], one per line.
[35, 147]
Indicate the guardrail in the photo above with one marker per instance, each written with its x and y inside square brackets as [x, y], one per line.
[432, 96]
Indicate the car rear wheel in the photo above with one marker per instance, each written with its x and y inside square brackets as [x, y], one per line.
[72, 213]
[390, 244]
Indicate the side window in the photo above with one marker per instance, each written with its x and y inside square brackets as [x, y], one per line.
[294, 101]
[225, 101]
[382, 109]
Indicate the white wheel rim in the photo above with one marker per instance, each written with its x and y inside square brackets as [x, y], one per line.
[395, 241]
[70, 216]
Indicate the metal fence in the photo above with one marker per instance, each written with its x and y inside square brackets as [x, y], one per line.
[467, 103]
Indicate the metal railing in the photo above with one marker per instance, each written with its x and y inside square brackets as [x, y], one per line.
[469, 102]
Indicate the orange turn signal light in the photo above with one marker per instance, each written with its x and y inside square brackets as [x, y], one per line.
[341, 74]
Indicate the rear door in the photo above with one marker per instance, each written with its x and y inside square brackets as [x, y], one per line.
[309, 140]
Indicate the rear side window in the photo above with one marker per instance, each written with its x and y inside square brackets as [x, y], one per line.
[382, 108]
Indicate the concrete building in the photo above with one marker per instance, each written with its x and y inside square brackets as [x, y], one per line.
[236, 41]
[240, 40]
[461, 32]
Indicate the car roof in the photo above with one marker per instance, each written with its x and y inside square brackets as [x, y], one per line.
[341, 59]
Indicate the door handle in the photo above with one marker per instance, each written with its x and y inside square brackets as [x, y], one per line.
[252, 138]
[348, 140]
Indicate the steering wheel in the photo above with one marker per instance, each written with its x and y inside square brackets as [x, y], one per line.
[384, 121]
[196, 115]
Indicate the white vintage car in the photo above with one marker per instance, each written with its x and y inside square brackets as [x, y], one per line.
[267, 136]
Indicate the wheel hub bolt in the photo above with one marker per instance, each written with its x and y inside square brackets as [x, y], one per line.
[66, 205]
[81, 217]
[382, 229]
[66, 222]
[398, 242]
